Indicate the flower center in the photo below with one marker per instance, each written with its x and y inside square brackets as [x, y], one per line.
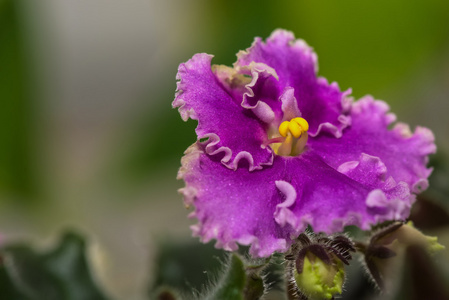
[293, 137]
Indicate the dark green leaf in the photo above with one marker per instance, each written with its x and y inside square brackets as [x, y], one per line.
[232, 284]
[61, 274]
[7, 287]
[184, 266]
[255, 287]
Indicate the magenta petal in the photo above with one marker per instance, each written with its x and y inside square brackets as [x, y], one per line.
[404, 154]
[232, 206]
[393, 199]
[201, 97]
[268, 208]
[323, 105]
[262, 93]
[328, 200]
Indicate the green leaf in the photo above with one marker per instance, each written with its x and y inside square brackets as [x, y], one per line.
[61, 274]
[7, 287]
[183, 265]
[240, 280]
[232, 284]
[187, 267]
[255, 287]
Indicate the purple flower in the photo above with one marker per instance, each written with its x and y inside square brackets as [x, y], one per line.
[280, 148]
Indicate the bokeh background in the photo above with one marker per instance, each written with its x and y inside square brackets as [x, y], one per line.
[88, 138]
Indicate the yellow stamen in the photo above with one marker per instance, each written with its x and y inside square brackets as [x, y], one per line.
[302, 122]
[295, 129]
[286, 147]
[300, 144]
[295, 126]
[295, 134]
[283, 128]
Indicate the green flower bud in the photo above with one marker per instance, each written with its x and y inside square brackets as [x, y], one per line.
[315, 265]
[320, 280]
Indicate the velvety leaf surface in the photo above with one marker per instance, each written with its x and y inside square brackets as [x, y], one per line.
[232, 284]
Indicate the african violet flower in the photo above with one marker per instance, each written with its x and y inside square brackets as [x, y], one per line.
[280, 148]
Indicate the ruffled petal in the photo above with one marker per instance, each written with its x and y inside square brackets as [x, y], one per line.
[322, 104]
[392, 200]
[221, 119]
[328, 199]
[254, 87]
[232, 206]
[268, 208]
[403, 153]
[262, 94]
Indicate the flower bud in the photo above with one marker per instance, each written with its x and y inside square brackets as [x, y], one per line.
[318, 279]
[316, 265]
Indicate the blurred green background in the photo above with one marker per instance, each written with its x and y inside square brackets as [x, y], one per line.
[88, 138]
